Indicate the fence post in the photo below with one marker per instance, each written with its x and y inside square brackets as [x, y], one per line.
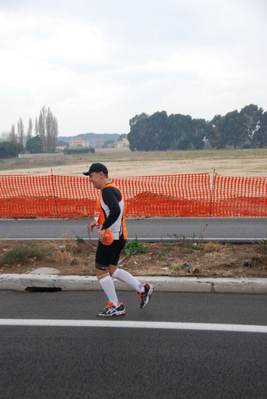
[53, 188]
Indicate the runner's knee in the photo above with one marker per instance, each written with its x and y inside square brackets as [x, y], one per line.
[101, 271]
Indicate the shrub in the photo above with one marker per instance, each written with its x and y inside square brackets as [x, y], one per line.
[69, 151]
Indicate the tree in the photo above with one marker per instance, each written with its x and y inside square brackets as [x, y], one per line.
[259, 138]
[137, 118]
[137, 132]
[21, 131]
[48, 130]
[10, 149]
[29, 131]
[34, 145]
[180, 131]
[231, 130]
[12, 135]
[201, 129]
[36, 127]
[251, 118]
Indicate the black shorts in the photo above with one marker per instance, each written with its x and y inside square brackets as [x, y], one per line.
[108, 254]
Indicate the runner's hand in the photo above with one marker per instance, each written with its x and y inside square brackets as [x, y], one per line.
[92, 225]
[102, 235]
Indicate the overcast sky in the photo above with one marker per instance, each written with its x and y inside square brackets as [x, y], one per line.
[98, 63]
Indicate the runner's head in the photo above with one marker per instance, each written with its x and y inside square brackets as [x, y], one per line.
[97, 167]
[98, 175]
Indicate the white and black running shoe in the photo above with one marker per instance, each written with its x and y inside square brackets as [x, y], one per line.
[145, 296]
[112, 310]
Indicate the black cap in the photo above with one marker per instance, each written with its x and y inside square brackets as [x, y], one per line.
[96, 167]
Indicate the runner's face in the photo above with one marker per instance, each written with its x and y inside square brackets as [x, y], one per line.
[96, 179]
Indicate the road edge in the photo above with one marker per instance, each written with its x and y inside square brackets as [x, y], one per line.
[22, 282]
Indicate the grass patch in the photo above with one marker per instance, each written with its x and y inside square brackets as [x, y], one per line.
[23, 255]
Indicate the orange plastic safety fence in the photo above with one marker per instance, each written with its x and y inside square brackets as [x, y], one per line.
[239, 196]
[46, 196]
[191, 195]
[171, 195]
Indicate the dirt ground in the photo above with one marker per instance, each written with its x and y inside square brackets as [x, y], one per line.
[127, 163]
[76, 257]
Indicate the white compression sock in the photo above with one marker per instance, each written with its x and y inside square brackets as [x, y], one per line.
[127, 278]
[109, 289]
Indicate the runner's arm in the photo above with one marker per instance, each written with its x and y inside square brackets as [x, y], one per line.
[112, 201]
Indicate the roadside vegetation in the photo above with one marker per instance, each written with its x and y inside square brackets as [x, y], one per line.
[181, 258]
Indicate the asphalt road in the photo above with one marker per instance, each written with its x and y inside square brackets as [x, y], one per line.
[123, 362]
[225, 229]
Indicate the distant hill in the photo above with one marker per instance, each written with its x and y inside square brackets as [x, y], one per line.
[95, 139]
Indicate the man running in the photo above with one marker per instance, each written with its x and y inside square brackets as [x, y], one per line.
[110, 214]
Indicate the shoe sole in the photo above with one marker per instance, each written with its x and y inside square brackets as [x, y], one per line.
[121, 313]
[150, 292]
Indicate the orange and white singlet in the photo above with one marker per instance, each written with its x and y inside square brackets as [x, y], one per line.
[110, 211]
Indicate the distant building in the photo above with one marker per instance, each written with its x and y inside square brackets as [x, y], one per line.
[78, 144]
[123, 143]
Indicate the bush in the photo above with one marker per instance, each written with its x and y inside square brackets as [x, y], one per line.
[87, 150]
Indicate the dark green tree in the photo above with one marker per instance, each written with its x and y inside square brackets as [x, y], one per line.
[137, 135]
[259, 138]
[34, 145]
[159, 132]
[251, 119]
[10, 149]
[231, 130]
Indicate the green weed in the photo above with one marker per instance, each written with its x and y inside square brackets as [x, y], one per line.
[263, 245]
[174, 267]
[134, 247]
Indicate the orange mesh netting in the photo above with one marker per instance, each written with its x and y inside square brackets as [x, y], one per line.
[239, 196]
[190, 195]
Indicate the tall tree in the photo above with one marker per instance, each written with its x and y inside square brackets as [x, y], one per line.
[36, 127]
[12, 135]
[41, 127]
[48, 129]
[29, 131]
[21, 131]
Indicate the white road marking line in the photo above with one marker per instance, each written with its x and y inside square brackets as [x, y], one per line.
[135, 324]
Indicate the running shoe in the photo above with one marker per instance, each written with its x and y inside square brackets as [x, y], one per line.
[145, 296]
[112, 310]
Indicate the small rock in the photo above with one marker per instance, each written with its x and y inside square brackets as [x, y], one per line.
[74, 262]
[247, 263]
[186, 265]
